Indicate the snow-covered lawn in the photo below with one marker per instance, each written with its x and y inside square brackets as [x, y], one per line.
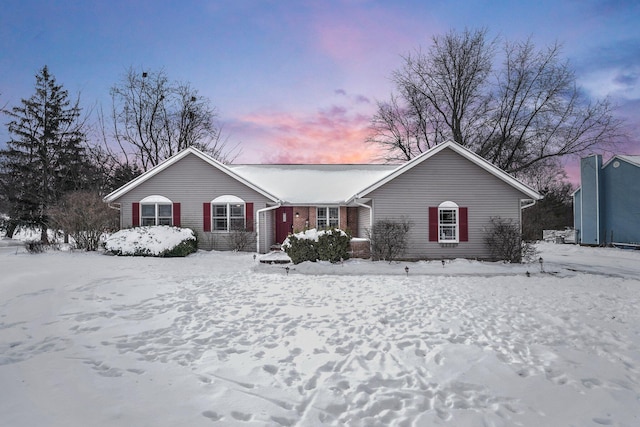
[220, 339]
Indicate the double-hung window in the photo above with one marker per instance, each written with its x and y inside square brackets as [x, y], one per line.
[448, 223]
[156, 210]
[228, 214]
[327, 217]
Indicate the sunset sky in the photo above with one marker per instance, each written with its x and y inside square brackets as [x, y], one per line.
[297, 81]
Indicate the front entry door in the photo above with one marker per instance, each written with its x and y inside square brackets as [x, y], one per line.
[284, 222]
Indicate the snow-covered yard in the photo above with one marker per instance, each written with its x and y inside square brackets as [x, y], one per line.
[220, 339]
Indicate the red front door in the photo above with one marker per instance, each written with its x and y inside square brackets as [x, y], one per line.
[284, 223]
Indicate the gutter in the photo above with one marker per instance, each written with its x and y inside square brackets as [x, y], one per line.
[528, 205]
[258, 212]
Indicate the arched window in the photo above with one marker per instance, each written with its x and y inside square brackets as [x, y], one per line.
[448, 223]
[228, 213]
[156, 210]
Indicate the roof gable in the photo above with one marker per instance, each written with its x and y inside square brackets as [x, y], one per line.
[632, 160]
[176, 158]
[469, 155]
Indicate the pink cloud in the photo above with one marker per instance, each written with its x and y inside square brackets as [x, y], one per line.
[332, 135]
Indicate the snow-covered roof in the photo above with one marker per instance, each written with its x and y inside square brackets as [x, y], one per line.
[313, 184]
[320, 184]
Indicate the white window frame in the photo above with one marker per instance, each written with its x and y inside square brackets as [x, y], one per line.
[229, 203]
[158, 217]
[327, 218]
[448, 222]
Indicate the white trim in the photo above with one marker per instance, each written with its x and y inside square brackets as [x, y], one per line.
[327, 207]
[449, 206]
[155, 199]
[227, 199]
[174, 159]
[474, 158]
[228, 202]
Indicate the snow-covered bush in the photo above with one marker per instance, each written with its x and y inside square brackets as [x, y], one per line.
[312, 245]
[160, 241]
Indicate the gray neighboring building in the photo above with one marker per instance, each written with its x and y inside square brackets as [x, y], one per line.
[448, 193]
[607, 204]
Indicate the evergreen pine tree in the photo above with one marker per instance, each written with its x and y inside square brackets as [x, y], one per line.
[45, 157]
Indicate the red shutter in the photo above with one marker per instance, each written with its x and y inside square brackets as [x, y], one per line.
[176, 214]
[248, 216]
[433, 224]
[135, 214]
[206, 216]
[464, 224]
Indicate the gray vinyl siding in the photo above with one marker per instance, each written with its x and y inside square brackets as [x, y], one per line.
[364, 223]
[192, 182]
[446, 176]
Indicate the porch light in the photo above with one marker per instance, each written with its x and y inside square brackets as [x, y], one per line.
[297, 214]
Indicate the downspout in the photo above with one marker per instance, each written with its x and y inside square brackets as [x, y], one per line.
[598, 200]
[258, 212]
[523, 207]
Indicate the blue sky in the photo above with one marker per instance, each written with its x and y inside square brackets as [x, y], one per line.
[297, 81]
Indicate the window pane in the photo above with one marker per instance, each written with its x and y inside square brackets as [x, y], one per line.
[334, 213]
[322, 223]
[447, 232]
[447, 217]
[164, 221]
[220, 210]
[220, 224]
[237, 210]
[237, 224]
[148, 221]
[322, 214]
[149, 210]
[164, 210]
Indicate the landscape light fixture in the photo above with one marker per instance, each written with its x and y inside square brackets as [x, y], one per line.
[541, 261]
[406, 270]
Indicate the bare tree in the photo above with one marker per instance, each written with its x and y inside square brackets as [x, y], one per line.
[520, 116]
[154, 118]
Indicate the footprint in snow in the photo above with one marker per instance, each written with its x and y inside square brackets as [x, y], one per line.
[213, 416]
[241, 416]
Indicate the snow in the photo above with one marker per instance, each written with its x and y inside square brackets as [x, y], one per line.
[155, 239]
[313, 184]
[311, 234]
[218, 338]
